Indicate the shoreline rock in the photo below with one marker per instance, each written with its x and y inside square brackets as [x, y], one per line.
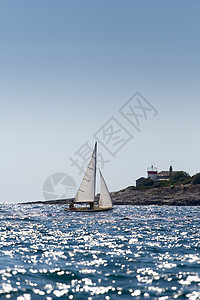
[178, 196]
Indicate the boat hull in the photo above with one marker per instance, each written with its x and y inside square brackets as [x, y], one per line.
[88, 210]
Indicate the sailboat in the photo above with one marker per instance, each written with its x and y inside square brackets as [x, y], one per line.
[86, 191]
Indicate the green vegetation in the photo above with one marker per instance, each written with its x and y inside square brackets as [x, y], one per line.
[180, 177]
[159, 184]
[131, 187]
[177, 178]
[147, 182]
[196, 179]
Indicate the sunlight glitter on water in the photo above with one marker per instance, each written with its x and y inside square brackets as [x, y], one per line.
[131, 252]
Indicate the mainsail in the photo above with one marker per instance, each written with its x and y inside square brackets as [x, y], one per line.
[105, 199]
[86, 191]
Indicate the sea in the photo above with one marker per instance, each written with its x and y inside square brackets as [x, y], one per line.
[131, 252]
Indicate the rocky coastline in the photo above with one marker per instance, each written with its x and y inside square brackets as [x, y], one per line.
[177, 196]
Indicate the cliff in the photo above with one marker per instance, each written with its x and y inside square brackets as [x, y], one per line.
[179, 195]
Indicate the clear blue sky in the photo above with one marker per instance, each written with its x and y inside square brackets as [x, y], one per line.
[67, 67]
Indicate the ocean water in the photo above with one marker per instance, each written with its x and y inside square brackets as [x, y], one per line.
[132, 252]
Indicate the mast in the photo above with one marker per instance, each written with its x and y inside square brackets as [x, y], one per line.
[95, 167]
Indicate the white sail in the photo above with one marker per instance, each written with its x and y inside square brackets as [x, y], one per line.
[105, 199]
[86, 191]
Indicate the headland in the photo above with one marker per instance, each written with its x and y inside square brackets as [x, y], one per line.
[183, 195]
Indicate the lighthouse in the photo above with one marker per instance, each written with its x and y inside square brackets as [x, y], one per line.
[152, 172]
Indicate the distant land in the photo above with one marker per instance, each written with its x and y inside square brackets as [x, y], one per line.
[180, 195]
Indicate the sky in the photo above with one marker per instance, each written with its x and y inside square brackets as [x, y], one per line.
[124, 73]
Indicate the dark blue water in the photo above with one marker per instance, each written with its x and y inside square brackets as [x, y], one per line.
[132, 252]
